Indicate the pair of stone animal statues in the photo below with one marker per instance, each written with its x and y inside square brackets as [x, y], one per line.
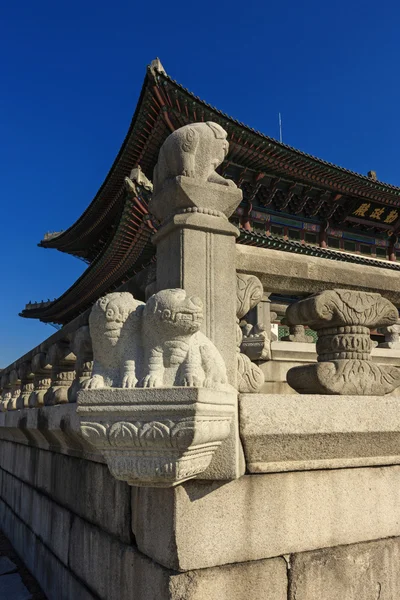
[157, 344]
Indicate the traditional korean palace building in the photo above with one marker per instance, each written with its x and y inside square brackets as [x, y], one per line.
[291, 201]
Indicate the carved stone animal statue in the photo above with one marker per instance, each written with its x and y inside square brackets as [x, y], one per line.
[195, 151]
[176, 352]
[115, 329]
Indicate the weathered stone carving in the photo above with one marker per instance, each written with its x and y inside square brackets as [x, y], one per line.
[176, 352]
[248, 293]
[15, 390]
[6, 391]
[115, 323]
[342, 319]
[196, 251]
[62, 361]
[195, 151]
[41, 380]
[81, 346]
[153, 345]
[297, 334]
[25, 374]
[156, 437]
[392, 336]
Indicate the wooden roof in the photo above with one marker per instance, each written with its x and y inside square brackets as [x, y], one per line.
[164, 106]
[113, 233]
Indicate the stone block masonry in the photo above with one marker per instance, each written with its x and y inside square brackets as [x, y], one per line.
[233, 494]
[250, 539]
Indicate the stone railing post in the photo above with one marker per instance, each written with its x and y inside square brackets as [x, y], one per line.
[297, 334]
[392, 336]
[41, 379]
[343, 319]
[62, 361]
[81, 346]
[27, 384]
[15, 390]
[196, 252]
[6, 391]
[196, 242]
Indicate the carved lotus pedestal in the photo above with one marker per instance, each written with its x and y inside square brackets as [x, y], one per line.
[343, 319]
[157, 437]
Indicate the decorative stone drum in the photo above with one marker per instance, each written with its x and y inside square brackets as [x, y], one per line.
[343, 319]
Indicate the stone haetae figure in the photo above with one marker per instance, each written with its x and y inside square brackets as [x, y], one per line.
[176, 352]
[115, 324]
[195, 151]
[157, 344]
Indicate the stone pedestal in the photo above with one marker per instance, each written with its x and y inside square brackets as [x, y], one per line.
[42, 379]
[342, 319]
[62, 361]
[156, 437]
[196, 252]
[82, 348]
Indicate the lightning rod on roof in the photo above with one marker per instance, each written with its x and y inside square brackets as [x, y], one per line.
[280, 127]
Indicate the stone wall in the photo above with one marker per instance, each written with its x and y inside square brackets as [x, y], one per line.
[286, 536]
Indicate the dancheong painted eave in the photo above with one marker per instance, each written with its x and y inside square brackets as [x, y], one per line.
[163, 106]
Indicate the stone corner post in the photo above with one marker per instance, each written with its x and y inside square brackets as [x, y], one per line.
[196, 247]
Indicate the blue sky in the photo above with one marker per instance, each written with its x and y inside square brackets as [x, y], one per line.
[71, 73]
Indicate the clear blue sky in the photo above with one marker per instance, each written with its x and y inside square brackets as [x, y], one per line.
[71, 73]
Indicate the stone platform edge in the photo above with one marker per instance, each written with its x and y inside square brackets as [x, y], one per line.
[305, 432]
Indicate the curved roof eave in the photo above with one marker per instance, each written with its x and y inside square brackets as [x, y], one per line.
[288, 160]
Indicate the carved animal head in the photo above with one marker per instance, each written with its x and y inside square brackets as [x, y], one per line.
[177, 313]
[110, 313]
[194, 150]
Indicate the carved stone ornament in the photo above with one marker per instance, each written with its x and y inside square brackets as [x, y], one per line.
[81, 346]
[62, 361]
[42, 379]
[194, 151]
[158, 403]
[27, 384]
[185, 179]
[6, 391]
[392, 336]
[249, 292]
[156, 437]
[157, 344]
[15, 390]
[297, 334]
[342, 319]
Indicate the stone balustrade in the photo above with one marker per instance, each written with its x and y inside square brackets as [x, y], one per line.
[343, 319]
[51, 373]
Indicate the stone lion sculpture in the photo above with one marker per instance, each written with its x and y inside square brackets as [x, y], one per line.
[195, 151]
[176, 352]
[157, 344]
[115, 325]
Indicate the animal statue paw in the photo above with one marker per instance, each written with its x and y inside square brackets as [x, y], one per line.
[129, 381]
[152, 381]
[193, 380]
[94, 383]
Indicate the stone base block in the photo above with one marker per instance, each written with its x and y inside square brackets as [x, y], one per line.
[266, 515]
[298, 432]
[157, 436]
[361, 571]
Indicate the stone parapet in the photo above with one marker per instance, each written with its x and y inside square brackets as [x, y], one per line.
[303, 432]
[265, 515]
[296, 274]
